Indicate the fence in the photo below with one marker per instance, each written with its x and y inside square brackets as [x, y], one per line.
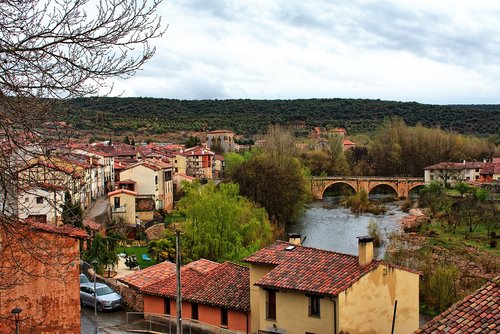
[163, 323]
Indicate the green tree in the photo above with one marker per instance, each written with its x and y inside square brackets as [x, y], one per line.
[72, 213]
[192, 141]
[280, 188]
[103, 250]
[161, 249]
[126, 140]
[221, 224]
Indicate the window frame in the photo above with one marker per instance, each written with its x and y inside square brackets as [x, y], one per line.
[166, 306]
[224, 317]
[194, 311]
[314, 305]
[271, 304]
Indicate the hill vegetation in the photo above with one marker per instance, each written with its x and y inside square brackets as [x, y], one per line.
[150, 116]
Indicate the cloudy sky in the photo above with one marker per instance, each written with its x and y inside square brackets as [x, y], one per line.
[429, 51]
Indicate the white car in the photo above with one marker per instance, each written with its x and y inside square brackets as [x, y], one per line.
[107, 299]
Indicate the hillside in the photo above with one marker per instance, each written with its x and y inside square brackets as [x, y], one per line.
[153, 116]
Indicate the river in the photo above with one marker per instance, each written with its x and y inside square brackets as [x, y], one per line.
[327, 225]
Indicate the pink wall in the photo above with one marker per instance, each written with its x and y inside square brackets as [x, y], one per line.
[211, 315]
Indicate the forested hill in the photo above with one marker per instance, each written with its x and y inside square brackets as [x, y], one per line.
[252, 116]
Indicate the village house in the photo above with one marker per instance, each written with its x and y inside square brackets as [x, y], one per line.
[153, 181]
[219, 166]
[214, 295]
[43, 282]
[451, 173]
[105, 159]
[44, 181]
[41, 202]
[221, 140]
[490, 172]
[122, 203]
[199, 162]
[297, 289]
[476, 313]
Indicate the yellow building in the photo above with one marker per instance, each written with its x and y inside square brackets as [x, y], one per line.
[297, 289]
[122, 202]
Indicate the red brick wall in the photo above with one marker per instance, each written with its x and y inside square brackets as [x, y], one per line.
[40, 277]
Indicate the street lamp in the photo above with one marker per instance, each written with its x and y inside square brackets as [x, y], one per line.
[16, 312]
[94, 265]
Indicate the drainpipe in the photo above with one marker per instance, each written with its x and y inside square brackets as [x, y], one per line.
[394, 316]
[334, 315]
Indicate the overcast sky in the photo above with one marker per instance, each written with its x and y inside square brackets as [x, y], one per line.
[429, 51]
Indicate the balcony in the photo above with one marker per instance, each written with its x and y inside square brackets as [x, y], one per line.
[119, 209]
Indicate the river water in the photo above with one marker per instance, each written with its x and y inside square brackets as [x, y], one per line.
[327, 225]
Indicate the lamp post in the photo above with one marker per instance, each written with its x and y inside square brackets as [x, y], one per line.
[94, 264]
[16, 312]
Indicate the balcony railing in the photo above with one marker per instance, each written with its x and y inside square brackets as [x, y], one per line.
[120, 209]
[164, 323]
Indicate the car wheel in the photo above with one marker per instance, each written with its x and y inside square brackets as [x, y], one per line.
[99, 307]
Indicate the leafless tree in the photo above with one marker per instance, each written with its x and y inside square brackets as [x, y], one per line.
[50, 52]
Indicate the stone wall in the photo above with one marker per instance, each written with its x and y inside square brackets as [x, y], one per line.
[130, 297]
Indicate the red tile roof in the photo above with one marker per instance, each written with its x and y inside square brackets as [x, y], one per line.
[457, 165]
[476, 313]
[65, 230]
[122, 191]
[309, 269]
[490, 168]
[150, 275]
[224, 285]
[219, 131]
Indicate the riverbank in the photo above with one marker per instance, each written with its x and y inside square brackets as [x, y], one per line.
[454, 262]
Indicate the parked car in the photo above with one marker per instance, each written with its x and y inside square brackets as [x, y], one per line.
[107, 299]
[84, 279]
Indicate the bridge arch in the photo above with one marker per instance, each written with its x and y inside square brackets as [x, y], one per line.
[346, 184]
[390, 185]
[401, 185]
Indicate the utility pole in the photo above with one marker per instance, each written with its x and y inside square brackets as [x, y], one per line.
[178, 274]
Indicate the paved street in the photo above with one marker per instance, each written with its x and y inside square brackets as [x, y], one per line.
[108, 321]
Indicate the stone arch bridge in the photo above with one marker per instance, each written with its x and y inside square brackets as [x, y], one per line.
[401, 185]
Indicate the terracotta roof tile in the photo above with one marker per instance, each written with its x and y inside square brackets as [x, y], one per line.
[309, 269]
[122, 191]
[150, 275]
[66, 230]
[224, 285]
[457, 165]
[476, 313]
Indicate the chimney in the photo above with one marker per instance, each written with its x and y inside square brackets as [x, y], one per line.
[294, 238]
[365, 249]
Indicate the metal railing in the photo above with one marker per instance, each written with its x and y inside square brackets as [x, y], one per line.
[164, 323]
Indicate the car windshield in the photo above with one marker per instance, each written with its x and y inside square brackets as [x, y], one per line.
[84, 279]
[105, 290]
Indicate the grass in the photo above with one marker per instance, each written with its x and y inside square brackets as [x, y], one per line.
[138, 251]
[461, 238]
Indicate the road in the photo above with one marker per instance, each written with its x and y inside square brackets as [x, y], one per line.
[108, 321]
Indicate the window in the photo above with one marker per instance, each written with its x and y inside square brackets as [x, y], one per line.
[117, 202]
[314, 305]
[194, 311]
[223, 317]
[166, 306]
[271, 305]
[39, 200]
[156, 179]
